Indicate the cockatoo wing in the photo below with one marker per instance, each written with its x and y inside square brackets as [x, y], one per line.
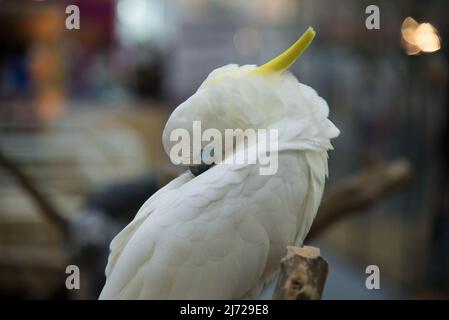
[147, 208]
[216, 236]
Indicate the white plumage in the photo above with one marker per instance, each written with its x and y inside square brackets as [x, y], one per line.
[221, 235]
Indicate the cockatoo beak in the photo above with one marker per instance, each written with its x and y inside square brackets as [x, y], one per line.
[283, 61]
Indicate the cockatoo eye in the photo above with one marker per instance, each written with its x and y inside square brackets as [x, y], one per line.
[207, 162]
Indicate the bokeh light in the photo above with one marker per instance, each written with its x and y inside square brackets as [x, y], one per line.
[419, 38]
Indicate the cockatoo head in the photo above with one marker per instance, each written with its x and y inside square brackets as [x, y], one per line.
[250, 97]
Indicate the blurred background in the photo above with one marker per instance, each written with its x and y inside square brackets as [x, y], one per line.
[82, 112]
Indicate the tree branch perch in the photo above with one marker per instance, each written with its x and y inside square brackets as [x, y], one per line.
[302, 275]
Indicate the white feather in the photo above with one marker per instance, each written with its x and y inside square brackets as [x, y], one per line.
[220, 235]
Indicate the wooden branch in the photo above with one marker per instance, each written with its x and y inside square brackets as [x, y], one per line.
[302, 275]
[358, 192]
[48, 209]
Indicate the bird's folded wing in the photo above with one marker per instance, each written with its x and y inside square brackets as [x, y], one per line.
[147, 208]
[217, 236]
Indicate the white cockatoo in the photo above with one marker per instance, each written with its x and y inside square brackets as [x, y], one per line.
[220, 233]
